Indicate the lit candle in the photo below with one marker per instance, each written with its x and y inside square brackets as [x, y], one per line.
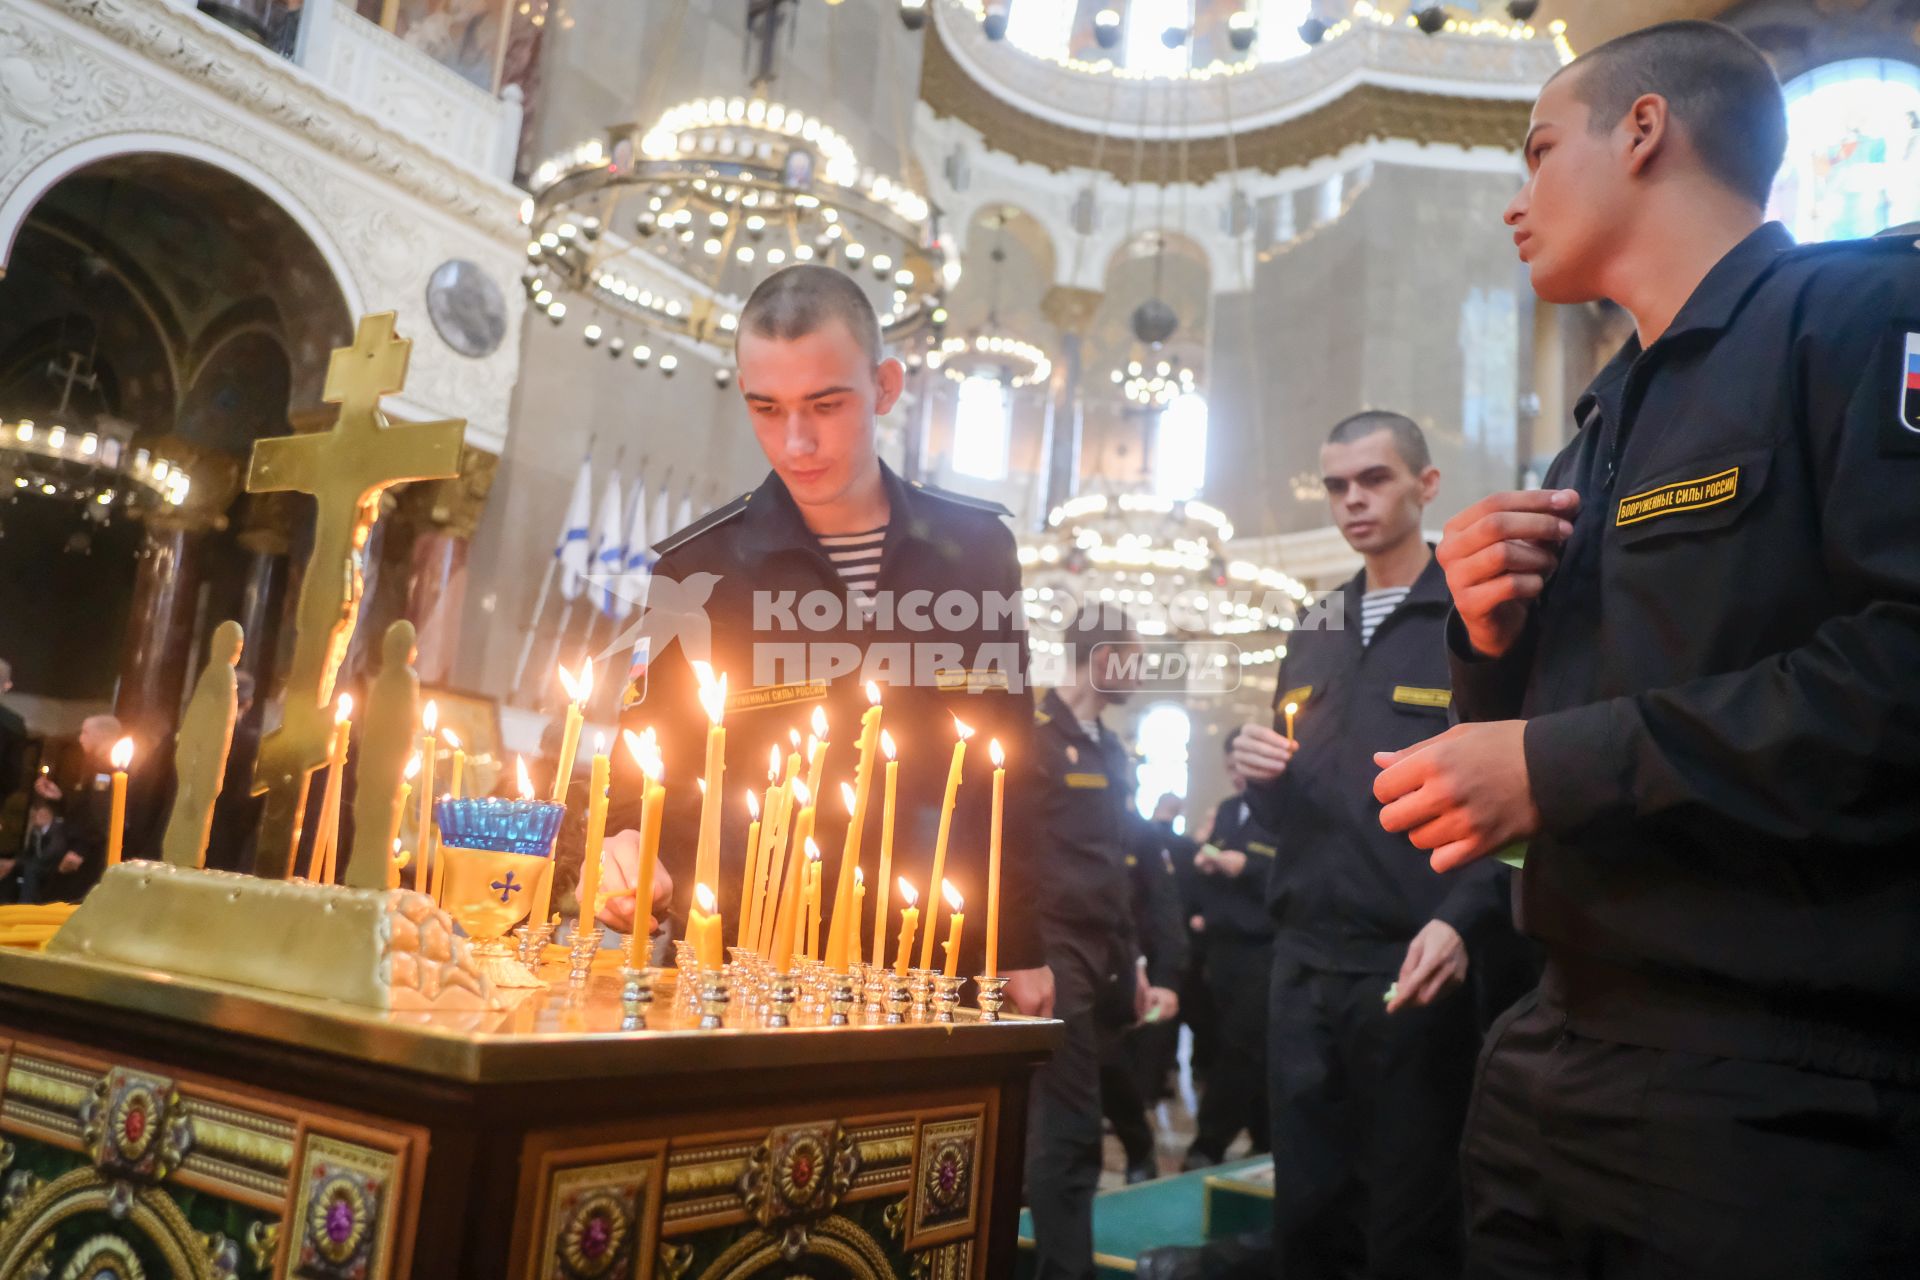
[843, 942]
[952, 895]
[909, 921]
[751, 871]
[886, 853]
[596, 835]
[761, 855]
[646, 753]
[817, 750]
[962, 733]
[993, 858]
[859, 907]
[779, 878]
[326, 841]
[396, 862]
[406, 793]
[1293, 709]
[793, 887]
[457, 779]
[578, 691]
[713, 698]
[122, 757]
[703, 929]
[426, 865]
[813, 900]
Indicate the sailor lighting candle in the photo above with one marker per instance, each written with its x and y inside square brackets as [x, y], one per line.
[703, 929]
[121, 758]
[326, 841]
[713, 699]
[646, 753]
[579, 689]
[957, 920]
[961, 734]
[1293, 709]
[456, 780]
[999, 758]
[886, 852]
[843, 941]
[426, 865]
[909, 922]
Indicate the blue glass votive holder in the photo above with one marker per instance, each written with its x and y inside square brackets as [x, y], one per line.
[502, 826]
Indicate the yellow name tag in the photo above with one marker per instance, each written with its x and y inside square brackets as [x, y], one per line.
[1087, 781]
[1417, 697]
[1300, 694]
[1682, 495]
[776, 695]
[978, 681]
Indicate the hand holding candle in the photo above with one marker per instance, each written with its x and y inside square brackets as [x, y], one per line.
[122, 759]
[952, 895]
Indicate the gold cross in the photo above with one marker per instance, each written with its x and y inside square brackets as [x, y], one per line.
[345, 469]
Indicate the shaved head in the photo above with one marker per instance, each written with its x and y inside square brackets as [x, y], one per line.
[800, 300]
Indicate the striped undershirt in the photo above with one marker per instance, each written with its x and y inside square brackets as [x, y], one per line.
[1374, 608]
[856, 556]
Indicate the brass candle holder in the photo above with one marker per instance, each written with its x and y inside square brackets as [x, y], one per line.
[946, 997]
[636, 997]
[840, 988]
[993, 994]
[713, 999]
[781, 994]
[899, 992]
[586, 944]
[919, 987]
[873, 986]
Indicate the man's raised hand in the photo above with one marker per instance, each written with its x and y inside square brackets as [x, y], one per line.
[1497, 554]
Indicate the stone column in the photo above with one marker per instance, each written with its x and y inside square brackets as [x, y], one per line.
[442, 515]
[266, 539]
[1071, 310]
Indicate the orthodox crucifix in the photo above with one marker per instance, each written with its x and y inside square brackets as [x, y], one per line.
[345, 469]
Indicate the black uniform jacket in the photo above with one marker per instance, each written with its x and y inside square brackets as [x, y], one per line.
[1722, 678]
[1346, 895]
[770, 584]
[1159, 925]
[1084, 829]
[1235, 907]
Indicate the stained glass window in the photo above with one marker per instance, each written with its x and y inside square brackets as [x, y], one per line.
[1853, 150]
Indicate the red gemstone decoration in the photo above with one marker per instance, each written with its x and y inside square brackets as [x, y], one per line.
[136, 1123]
[802, 1171]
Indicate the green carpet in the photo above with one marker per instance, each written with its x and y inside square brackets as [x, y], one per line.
[1172, 1210]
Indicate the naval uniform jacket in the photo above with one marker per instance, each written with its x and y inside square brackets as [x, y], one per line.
[751, 577]
[1347, 896]
[1721, 680]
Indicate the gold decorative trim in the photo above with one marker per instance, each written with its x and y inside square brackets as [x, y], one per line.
[1365, 113]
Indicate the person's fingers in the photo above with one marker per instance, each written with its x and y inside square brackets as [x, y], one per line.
[1411, 963]
[1544, 502]
[1433, 984]
[1482, 599]
[1386, 760]
[1402, 772]
[1451, 826]
[1450, 857]
[1499, 560]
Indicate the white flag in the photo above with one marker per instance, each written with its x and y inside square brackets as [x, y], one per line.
[571, 550]
[639, 554]
[609, 554]
[662, 513]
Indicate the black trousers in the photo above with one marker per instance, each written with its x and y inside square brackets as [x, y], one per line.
[1063, 1121]
[1121, 1098]
[1239, 976]
[1367, 1113]
[1585, 1158]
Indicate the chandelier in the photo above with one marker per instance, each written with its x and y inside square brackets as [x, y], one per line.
[97, 469]
[1154, 385]
[1168, 562]
[670, 227]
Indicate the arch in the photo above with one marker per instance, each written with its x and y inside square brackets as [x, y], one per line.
[33, 186]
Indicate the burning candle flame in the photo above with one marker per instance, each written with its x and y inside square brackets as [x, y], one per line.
[952, 895]
[846, 796]
[122, 755]
[526, 783]
[801, 795]
[645, 751]
[413, 767]
[343, 709]
[453, 740]
[820, 723]
[873, 693]
[908, 894]
[1293, 708]
[713, 695]
[793, 736]
[813, 850]
[599, 744]
[753, 806]
[773, 763]
[961, 728]
[704, 898]
[431, 716]
[859, 876]
[886, 744]
[995, 754]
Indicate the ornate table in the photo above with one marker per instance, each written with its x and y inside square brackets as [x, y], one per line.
[154, 1127]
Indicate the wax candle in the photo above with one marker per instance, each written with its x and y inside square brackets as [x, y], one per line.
[886, 852]
[596, 834]
[909, 921]
[857, 948]
[817, 750]
[122, 759]
[792, 898]
[993, 858]
[761, 814]
[1293, 709]
[773, 853]
[326, 840]
[456, 779]
[962, 733]
[843, 942]
[703, 929]
[579, 689]
[952, 895]
[426, 865]
[813, 900]
[713, 698]
[646, 754]
[406, 792]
